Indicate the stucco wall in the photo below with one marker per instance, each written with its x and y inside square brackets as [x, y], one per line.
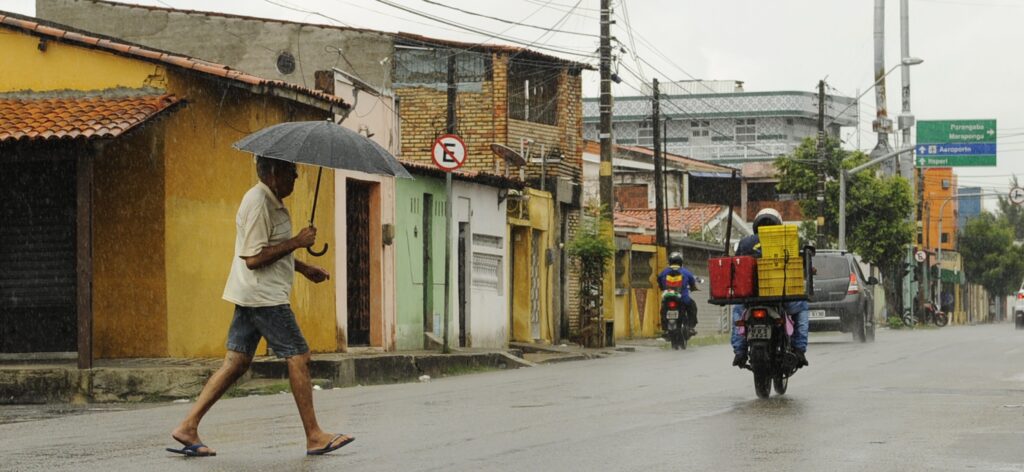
[166, 197]
[487, 315]
[248, 44]
[205, 181]
[409, 283]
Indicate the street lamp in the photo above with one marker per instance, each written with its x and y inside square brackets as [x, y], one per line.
[906, 61]
[844, 174]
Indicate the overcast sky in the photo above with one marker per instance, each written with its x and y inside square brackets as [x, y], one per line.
[971, 48]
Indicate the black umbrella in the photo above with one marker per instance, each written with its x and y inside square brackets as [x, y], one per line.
[323, 144]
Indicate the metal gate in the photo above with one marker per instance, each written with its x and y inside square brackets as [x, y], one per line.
[535, 286]
[37, 257]
[357, 196]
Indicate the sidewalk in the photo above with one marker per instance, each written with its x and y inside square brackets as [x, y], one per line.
[152, 380]
[165, 379]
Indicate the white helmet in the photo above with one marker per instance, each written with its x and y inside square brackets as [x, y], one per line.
[767, 217]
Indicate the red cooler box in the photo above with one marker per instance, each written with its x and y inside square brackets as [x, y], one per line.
[733, 277]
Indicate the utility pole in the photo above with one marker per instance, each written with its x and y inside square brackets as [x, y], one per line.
[882, 124]
[907, 167]
[659, 205]
[605, 172]
[821, 165]
[664, 183]
[450, 128]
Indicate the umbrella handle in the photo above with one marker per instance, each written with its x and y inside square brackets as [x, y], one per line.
[317, 253]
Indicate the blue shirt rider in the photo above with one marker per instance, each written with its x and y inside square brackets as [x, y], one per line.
[676, 277]
[751, 246]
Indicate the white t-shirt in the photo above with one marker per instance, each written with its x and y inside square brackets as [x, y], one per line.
[262, 221]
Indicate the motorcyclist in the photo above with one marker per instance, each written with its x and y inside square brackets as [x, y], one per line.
[675, 277]
[751, 246]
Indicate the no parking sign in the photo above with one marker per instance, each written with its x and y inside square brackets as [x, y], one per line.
[449, 152]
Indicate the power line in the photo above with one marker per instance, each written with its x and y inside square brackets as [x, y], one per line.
[503, 20]
[521, 42]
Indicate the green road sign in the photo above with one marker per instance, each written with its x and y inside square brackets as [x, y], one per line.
[956, 143]
[955, 161]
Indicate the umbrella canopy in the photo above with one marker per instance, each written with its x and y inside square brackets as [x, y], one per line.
[325, 144]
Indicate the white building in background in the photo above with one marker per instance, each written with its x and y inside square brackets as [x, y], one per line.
[720, 122]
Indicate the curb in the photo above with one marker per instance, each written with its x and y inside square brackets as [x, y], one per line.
[65, 384]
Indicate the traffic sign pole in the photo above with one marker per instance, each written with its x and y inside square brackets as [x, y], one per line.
[448, 153]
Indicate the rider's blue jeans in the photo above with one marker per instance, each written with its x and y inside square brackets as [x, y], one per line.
[801, 321]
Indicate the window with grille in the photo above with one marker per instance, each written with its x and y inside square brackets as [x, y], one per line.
[746, 130]
[533, 93]
[645, 135]
[700, 128]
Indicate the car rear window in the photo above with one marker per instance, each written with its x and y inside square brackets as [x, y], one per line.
[831, 267]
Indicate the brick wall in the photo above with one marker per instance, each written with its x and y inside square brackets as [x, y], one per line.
[424, 112]
[631, 196]
[566, 137]
[572, 279]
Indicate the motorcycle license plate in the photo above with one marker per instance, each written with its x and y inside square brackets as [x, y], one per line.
[760, 332]
[672, 315]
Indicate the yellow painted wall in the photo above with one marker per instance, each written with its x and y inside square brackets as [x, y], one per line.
[541, 212]
[205, 182]
[628, 322]
[64, 67]
[166, 197]
[129, 280]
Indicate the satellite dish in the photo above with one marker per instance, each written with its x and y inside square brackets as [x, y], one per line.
[508, 154]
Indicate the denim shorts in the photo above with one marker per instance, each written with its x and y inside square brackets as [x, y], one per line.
[275, 323]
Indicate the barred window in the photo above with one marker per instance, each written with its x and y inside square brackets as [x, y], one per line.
[700, 128]
[430, 67]
[645, 134]
[746, 130]
[533, 93]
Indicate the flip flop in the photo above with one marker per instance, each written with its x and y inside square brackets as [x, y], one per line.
[329, 447]
[193, 451]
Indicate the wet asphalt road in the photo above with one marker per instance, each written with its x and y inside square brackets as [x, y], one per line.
[941, 399]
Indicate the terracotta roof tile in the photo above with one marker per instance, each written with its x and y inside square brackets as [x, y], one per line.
[692, 219]
[69, 118]
[55, 31]
[485, 178]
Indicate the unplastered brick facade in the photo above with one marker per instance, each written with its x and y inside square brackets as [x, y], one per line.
[508, 96]
[483, 116]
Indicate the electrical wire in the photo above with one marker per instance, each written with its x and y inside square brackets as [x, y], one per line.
[503, 20]
[560, 50]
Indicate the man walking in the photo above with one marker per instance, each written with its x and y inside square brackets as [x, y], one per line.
[259, 285]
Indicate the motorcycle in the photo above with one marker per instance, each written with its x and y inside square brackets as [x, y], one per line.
[765, 324]
[677, 330]
[768, 330]
[927, 315]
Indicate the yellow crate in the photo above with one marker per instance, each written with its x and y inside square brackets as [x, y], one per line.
[778, 276]
[779, 241]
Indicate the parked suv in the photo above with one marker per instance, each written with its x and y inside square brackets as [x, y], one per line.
[842, 298]
[1018, 309]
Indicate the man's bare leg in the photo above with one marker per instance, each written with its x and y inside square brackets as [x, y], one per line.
[234, 366]
[302, 390]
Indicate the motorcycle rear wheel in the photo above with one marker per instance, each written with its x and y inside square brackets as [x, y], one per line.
[909, 321]
[762, 382]
[781, 384]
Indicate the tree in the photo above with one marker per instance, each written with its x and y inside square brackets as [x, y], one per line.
[1013, 213]
[990, 256]
[877, 207]
[592, 250]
